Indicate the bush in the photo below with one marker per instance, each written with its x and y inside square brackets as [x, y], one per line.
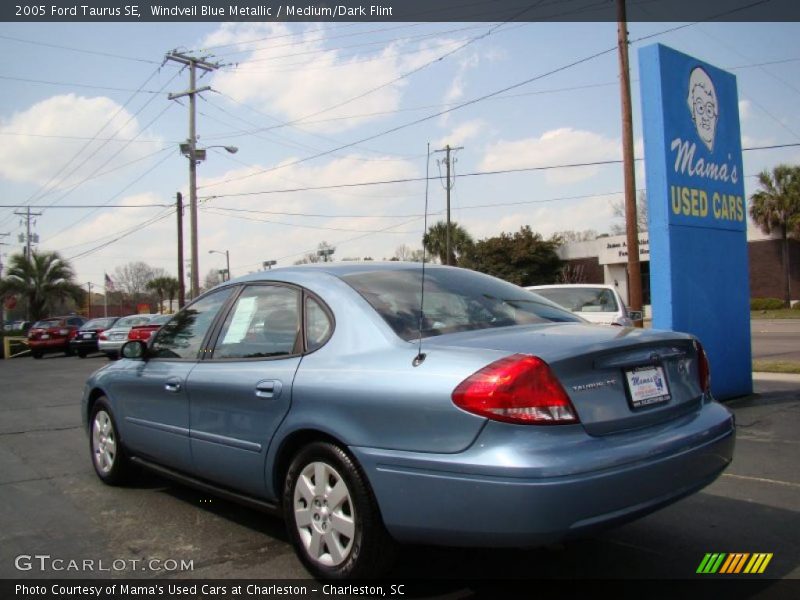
[766, 304]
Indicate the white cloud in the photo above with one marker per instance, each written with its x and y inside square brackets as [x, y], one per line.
[463, 132]
[556, 147]
[745, 109]
[40, 141]
[298, 76]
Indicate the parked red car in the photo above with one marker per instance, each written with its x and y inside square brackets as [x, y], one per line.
[146, 331]
[53, 335]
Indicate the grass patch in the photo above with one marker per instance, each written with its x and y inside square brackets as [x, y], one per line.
[776, 366]
[782, 313]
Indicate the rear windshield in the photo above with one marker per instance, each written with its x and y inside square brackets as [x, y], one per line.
[98, 324]
[455, 300]
[582, 300]
[47, 324]
[133, 320]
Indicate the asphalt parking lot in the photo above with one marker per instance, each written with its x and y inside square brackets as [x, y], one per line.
[53, 504]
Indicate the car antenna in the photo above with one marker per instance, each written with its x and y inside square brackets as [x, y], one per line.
[420, 357]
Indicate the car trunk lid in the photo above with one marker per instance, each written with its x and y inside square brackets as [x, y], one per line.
[616, 378]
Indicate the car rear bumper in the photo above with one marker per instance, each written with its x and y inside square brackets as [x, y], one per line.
[49, 345]
[110, 346]
[87, 345]
[522, 487]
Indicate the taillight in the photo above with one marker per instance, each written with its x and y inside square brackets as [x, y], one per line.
[703, 369]
[516, 389]
[103, 336]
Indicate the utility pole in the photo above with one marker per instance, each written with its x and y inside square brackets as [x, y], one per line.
[189, 149]
[28, 216]
[631, 221]
[448, 186]
[2, 300]
[89, 284]
[181, 284]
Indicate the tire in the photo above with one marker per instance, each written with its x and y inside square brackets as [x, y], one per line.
[36, 354]
[108, 456]
[335, 527]
[81, 354]
[69, 351]
[111, 356]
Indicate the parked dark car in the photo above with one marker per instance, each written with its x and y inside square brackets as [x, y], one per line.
[53, 335]
[85, 340]
[484, 415]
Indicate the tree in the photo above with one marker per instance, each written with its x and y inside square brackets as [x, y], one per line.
[776, 206]
[43, 280]
[323, 254]
[524, 257]
[571, 235]
[171, 289]
[407, 254]
[163, 286]
[435, 242]
[618, 209]
[132, 279]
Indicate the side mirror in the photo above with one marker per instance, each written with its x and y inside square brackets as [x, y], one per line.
[135, 349]
[635, 315]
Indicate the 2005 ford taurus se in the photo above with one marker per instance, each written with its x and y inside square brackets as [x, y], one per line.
[370, 413]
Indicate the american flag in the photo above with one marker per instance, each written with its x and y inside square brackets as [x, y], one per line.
[108, 283]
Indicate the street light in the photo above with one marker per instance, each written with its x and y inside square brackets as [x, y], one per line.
[196, 155]
[227, 261]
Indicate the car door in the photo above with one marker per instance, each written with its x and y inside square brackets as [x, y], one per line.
[241, 392]
[154, 394]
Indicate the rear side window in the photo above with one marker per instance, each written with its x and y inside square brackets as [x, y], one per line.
[318, 324]
[455, 300]
[264, 323]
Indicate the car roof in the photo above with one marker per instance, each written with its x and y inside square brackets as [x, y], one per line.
[570, 285]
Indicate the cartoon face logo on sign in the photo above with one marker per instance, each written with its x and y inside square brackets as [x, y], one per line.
[703, 106]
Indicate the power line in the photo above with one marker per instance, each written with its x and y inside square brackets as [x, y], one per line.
[469, 174]
[422, 119]
[80, 85]
[81, 50]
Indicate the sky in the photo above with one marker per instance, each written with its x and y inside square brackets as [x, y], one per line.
[85, 120]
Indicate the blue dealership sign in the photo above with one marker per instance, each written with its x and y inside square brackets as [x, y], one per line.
[697, 213]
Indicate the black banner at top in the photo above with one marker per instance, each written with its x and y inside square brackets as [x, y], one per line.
[397, 10]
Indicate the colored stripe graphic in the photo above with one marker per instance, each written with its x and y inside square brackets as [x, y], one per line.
[711, 563]
[732, 564]
[758, 564]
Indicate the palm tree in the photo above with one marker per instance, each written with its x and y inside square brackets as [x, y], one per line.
[777, 206]
[435, 242]
[160, 286]
[43, 279]
[171, 287]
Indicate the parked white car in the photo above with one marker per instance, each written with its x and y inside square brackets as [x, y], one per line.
[596, 303]
[111, 340]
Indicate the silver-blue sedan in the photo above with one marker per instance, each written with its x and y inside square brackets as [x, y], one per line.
[371, 410]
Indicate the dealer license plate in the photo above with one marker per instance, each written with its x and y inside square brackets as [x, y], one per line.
[45, 336]
[647, 386]
[87, 336]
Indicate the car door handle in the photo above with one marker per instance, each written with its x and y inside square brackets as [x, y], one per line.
[269, 389]
[172, 386]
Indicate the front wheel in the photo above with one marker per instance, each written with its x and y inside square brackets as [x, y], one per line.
[108, 456]
[332, 517]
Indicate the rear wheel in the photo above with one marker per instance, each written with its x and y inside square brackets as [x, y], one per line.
[36, 354]
[332, 517]
[81, 354]
[108, 456]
